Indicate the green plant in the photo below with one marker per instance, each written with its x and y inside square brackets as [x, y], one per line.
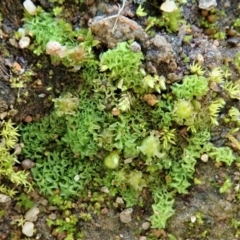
[24, 201]
[9, 137]
[170, 20]
[191, 86]
[109, 137]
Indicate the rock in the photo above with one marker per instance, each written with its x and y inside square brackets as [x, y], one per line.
[4, 198]
[126, 215]
[31, 214]
[135, 47]
[27, 229]
[207, 4]
[146, 226]
[28, 164]
[105, 31]
[160, 52]
[168, 6]
[30, 7]
[204, 157]
[24, 42]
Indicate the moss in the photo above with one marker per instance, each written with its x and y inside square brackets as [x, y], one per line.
[9, 138]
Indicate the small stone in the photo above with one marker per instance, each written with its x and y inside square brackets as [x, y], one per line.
[207, 4]
[104, 211]
[30, 7]
[126, 215]
[31, 214]
[168, 6]
[53, 47]
[4, 198]
[28, 119]
[119, 200]
[105, 189]
[142, 238]
[115, 112]
[135, 47]
[216, 43]
[52, 216]
[27, 229]
[151, 99]
[24, 42]
[146, 226]
[193, 219]
[204, 157]
[28, 164]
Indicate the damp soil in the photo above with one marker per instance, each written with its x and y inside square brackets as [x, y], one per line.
[203, 213]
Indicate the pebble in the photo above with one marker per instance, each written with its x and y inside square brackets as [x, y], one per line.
[28, 119]
[31, 214]
[28, 164]
[24, 42]
[119, 200]
[146, 226]
[207, 4]
[216, 43]
[27, 229]
[126, 215]
[135, 47]
[104, 211]
[204, 157]
[4, 198]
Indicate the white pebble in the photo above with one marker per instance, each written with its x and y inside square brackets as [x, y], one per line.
[24, 42]
[207, 4]
[27, 229]
[146, 225]
[53, 47]
[30, 7]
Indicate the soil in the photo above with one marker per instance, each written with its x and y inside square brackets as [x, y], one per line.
[203, 213]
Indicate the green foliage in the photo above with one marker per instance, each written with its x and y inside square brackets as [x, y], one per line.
[47, 28]
[226, 186]
[222, 154]
[140, 11]
[107, 136]
[44, 27]
[237, 61]
[122, 65]
[9, 137]
[24, 201]
[162, 208]
[191, 86]
[170, 20]
[214, 109]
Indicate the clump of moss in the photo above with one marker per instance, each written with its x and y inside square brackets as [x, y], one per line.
[110, 137]
[9, 138]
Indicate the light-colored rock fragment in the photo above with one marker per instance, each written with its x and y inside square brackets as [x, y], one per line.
[28, 164]
[30, 7]
[204, 157]
[126, 215]
[24, 42]
[31, 214]
[27, 229]
[168, 6]
[207, 4]
[146, 226]
[4, 198]
[53, 47]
